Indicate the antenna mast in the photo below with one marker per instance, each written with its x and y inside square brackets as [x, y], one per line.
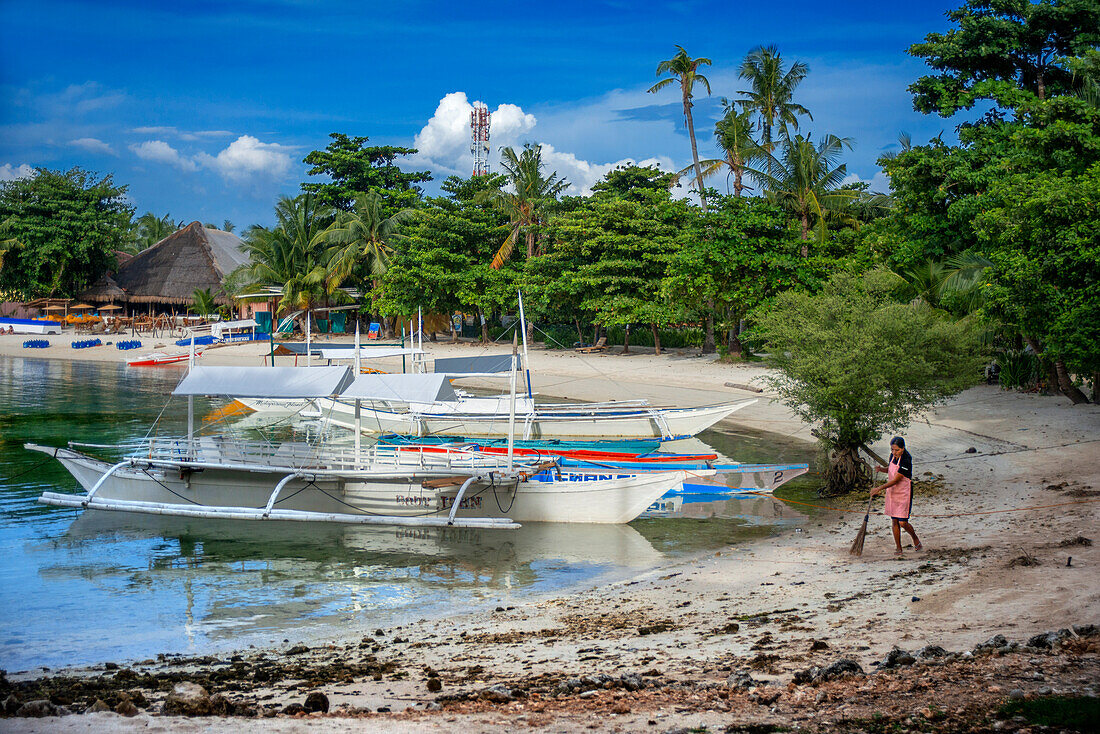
[479, 138]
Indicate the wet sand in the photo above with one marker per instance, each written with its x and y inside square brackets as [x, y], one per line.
[690, 632]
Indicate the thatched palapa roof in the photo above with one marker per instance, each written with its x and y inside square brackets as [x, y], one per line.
[171, 270]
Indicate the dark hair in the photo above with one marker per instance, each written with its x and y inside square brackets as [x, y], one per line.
[898, 441]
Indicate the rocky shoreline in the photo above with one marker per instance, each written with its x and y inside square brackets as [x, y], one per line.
[929, 689]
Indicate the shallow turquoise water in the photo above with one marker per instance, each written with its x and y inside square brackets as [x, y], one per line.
[88, 587]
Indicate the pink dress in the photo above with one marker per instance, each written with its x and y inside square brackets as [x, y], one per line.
[899, 498]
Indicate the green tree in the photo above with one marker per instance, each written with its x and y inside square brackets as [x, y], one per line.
[771, 96]
[357, 169]
[806, 181]
[204, 302]
[293, 255]
[951, 200]
[734, 134]
[69, 223]
[855, 363]
[1003, 49]
[443, 264]
[684, 70]
[364, 240]
[149, 229]
[527, 198]
[750, 255]
[616, 253]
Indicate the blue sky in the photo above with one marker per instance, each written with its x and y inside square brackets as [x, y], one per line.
[206, 109]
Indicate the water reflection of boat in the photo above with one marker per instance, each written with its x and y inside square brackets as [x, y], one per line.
[343, 544]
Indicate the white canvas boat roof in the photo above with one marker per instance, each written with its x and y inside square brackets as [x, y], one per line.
[409, 388]
[482, 365]
[265, 382]
[366, 352]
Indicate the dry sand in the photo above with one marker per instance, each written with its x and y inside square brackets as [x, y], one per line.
[677, 624]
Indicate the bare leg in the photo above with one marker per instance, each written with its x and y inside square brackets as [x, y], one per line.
[913, 533]
[895, 527]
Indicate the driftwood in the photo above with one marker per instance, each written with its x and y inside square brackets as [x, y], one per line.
[741, 386]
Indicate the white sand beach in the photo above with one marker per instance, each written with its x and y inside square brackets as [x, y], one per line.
[697, 620]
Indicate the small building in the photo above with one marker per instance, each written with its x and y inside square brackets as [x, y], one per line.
[165, 276]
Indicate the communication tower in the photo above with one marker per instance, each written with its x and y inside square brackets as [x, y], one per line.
[479, 138]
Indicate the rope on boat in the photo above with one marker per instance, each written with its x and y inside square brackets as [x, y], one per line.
[33, 468]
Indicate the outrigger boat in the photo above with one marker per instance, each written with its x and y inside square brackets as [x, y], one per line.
[217, 477]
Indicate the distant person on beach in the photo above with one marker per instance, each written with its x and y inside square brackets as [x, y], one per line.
[899, 492]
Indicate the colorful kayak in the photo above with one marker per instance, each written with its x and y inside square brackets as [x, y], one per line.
[154, 359]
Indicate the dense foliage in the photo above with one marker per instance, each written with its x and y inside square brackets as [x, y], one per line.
[356, 169]
[856, 362]
[62, 229]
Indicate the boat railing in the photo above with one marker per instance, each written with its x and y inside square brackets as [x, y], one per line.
[291, 455]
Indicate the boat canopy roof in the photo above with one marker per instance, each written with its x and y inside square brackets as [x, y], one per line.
[409, 388]
[265, 382]
[367, 352]
[488, 364]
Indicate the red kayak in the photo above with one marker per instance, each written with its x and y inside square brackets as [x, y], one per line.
[157, 358]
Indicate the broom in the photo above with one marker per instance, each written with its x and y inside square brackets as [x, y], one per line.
[857, 544]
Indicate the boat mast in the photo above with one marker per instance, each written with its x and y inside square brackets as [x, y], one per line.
[358, 402]
[309, 352]
[191, 399]
[512, 407]
[526, 362]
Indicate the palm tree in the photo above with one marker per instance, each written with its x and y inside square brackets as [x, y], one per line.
[772, 91]
[364, 236]
[527, 203]
[734, 134]
[151, 229]
[682, 68]
[204, 302]
[228, 226]
[293, 254]
[806, 181]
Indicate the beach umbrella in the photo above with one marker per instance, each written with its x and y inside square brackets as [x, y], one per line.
[55, 308]
[81, 307]
[112, 307]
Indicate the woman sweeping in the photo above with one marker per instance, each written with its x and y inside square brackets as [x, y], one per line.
[899, 492]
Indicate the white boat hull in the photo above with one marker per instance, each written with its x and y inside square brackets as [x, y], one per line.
[571, 497]
[663, 423]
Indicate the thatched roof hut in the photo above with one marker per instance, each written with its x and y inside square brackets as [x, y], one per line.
[170, 271]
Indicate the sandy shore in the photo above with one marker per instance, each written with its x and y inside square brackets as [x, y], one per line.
[685, 630]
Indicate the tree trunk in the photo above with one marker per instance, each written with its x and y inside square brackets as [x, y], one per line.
[1052, 386]
[530, 243]
[656, 339]
[484, 327]
[734, 345]
[1065, 384]
[580, 334]
[805, 222]
[708, 327]
[847, 471]
[530, 332]
[694, 149]
[626, 339]
[1096, 387]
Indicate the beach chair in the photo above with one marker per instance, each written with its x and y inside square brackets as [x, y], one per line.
[599, 346]
[373, 331]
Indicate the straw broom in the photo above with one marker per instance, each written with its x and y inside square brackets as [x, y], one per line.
[857, 544]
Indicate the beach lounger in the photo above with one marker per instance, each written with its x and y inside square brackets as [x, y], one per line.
[599, 346]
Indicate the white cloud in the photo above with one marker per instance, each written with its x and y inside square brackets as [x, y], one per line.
[93, 145]
[8, 172]
[879, 182]
[582, 174]
[247, 159]
[159, 151]
[445, 141]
